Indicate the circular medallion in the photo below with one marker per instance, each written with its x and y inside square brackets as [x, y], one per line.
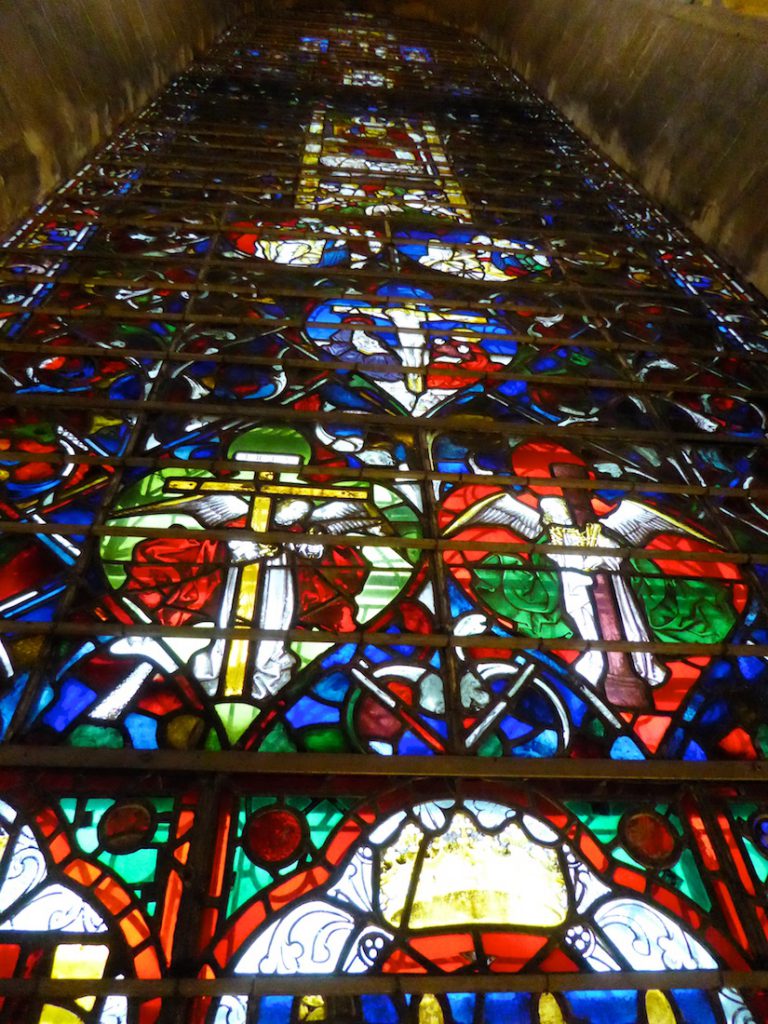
[649, 838]
[126, 827]
[274, 836]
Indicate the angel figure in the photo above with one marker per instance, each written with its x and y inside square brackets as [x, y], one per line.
[585, 588]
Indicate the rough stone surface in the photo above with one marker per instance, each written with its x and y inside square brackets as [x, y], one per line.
[73, 70]
[677, 95]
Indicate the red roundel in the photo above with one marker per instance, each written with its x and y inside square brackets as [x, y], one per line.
[649, 838]
[126, 827]
[274, 836]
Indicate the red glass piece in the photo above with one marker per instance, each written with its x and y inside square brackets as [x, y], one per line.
[648, 837]
[738, 744]
[274, 836]
[447, 952]
[510, 953]
[126, 827]
[558, 962]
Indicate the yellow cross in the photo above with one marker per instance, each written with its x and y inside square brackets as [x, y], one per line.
[262, 493]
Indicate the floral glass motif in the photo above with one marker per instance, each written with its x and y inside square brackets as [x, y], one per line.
[90, 888]
[498, 881]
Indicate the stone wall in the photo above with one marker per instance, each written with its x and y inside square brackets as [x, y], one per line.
[73, 70]
[676, 94]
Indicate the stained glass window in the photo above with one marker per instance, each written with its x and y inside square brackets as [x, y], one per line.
[383, 564]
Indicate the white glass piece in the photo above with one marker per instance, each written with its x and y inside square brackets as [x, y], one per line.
[115, 1010]
[356, 884]
[231, 1010]
[386, 829]
[649, 940]
[55, 909]
[26, 869]
[307, 939]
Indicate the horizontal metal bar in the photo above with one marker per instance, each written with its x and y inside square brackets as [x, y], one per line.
[624, 485]
[466, 423]
[390, 984]
[228, 357]
[437, 544]
[109, 628]
[352, 766]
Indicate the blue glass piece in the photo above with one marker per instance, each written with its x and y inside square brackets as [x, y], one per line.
[332, 687]
[9, 701]
[410, 744]
[604, 1007]
[544, 745]
[695, 1007]
[75, 697]
[340, 655]
[462, 1006]
[143, 731]
[513, 728]
[377, 655]
[693, 752]
[376, 1010]
[505, 1007]
[625, 749]
[275, 1009]
[310, 712]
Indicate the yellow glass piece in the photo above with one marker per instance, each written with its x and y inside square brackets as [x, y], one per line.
[184, 731]
[245, 606]
[467, 877]
[312, 1008]
[73, 960]
[658, 1009]
[51, 1014]
[549, 1010]
[430, 1010]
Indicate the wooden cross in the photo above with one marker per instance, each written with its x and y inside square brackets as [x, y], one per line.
[409, 320]
[623, 686]
[261, 491]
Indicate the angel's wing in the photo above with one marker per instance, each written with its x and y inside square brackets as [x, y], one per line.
[500, 510]
[212, 510]
[348, 516]
[636, 523]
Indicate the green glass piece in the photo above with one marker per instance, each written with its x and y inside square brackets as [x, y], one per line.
[277, 741]
[761, 740]
[325, 739]
[212, 741]
[689, 879]
[96, 736]
[758, 861]
[490, 747]
[135, 868]
[530, 599]
[236, 717]
[604, 825]
[248, 880]
[684, 610]
[322, 820]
